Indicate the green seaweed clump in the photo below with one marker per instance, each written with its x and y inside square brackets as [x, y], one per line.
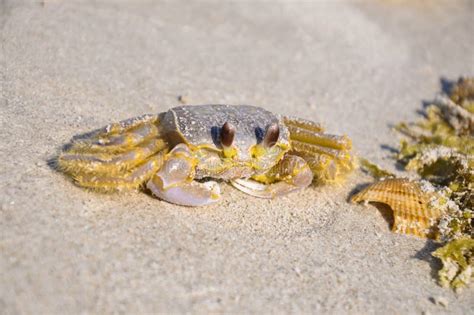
[374, 170]
[439, 149]
[458, 263]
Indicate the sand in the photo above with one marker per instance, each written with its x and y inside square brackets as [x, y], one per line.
[357, 67]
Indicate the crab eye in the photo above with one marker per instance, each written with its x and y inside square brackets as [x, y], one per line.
[227, 134]
[271, 135]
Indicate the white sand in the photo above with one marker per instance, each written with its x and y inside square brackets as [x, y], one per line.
[358, 68]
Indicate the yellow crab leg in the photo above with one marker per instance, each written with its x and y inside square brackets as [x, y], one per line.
[303, 124]
[117, 137]
[130, 180]
[328, 165]
[327, 155]
[127, 125]
[324, 167]
[320, 139]
[316, 150]
[106, 163]
[291, 174]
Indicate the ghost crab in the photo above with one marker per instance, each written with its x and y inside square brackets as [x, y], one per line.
[175, 152]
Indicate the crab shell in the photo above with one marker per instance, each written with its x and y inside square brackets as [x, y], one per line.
[199, 127]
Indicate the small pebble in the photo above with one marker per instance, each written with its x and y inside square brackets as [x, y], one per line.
[297, 270]
[440, 300]
[183, 99]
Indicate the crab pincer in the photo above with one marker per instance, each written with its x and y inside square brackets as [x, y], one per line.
[174, 182]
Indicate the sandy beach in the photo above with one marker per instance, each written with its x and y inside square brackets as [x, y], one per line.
[358, 67]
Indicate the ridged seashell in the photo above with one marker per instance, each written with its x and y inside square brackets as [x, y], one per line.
[410, 205]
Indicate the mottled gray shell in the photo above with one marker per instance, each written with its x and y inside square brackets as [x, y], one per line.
[201, 124]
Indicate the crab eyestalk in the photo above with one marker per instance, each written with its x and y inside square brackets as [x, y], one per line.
[269, 140]
[227, 138]
[271, 135]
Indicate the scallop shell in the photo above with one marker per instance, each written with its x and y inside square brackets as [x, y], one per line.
[410, 205]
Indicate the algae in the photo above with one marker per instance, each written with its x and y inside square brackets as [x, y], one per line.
[458, 263]
[374, 170]
[439, 150]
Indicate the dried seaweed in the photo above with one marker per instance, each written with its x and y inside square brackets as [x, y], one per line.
[439, 149]
[374, 170]
[458, 261]
[462, 93]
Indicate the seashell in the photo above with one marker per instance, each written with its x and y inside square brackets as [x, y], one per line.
[411, 208]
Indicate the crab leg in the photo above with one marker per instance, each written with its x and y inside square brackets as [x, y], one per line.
[302, 123]
[174, 181]
[291, 174]
[130, 180]
[118, 156]
[107, 163]
[117, 137]
[327, 155]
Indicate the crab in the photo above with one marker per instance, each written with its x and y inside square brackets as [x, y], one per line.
[180, 155]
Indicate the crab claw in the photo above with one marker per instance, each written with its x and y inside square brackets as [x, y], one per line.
[291, 174]
[174, 181]
[191, 194]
